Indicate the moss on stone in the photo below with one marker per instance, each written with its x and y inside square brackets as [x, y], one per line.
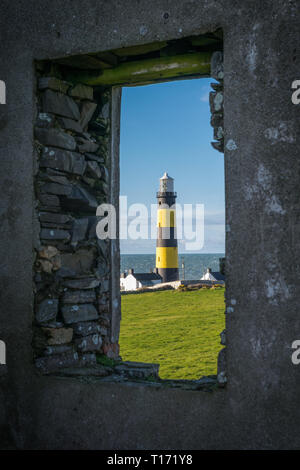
[147, 70]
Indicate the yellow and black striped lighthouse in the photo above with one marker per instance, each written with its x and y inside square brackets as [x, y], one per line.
[166, 245]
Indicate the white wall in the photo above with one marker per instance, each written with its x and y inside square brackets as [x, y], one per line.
[129, 283]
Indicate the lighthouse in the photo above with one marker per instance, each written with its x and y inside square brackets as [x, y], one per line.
[166, 245]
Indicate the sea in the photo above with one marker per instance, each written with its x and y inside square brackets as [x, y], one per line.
[195, 264]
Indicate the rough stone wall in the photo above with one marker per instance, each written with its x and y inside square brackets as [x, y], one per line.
[72, 265]
[259, 408]
[216, 102]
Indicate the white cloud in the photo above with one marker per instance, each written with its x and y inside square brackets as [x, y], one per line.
[205, 94]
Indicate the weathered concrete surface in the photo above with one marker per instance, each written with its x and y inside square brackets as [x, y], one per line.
[260, 406]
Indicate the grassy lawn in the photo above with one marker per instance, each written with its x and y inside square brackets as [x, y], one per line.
[178, 330]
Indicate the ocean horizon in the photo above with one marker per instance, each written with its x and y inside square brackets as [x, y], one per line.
[195, 263]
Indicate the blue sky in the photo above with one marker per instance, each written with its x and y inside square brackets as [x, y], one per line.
[166, 127]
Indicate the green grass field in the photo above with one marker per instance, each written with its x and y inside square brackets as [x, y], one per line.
[178, 330]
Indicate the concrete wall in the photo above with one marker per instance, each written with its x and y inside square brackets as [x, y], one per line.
[260, 406]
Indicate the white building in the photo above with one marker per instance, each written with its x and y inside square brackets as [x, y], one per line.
[134, 281]
[212, 276]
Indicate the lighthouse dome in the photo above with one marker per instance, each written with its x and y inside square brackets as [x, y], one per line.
[166, 183]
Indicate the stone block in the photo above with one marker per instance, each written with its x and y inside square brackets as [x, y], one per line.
[50, 201]
[102, 268]
[218, 146]
[104, 320]
[82, 283]
[55, 362]
[104, 287]
[91, 343]
[93, 221]
[222, 361]
[78, 313]
[57, 336]
[53, 324]
[78, 263]
[216, 102]
[97, 158]
[54, 234]
[79, 230]
[58, 349]
[222, 379]
[47, 311]
[216, 66]
[111, 350]
[103, 246]
[218, 133]
[56, 188]
[217, 120]
[45, 120]
[80, 200]
[82, 92]
[59, 219]
[79, 296]
[88, 328]
[105, 111]
[48, 252]
[53, 176]
[60, 104]
[55, 138]
[44, 265]
[89, 181]
[56, 262]
[99, 127]
[53, 83]
[87, 110]
[139, 370]
[104, 174]
[85, 145]
[87, 359]
[223, 337]
[70, 125]
[103, 308]
[217, 86]
[103, 331]
[93, 170]
[63, 160]
[47, 261]
[101, 188]
[103, 300]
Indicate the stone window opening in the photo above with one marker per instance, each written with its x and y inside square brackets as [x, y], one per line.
[76, 276]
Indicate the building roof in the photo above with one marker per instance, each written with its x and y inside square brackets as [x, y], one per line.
[147, 277]
[210, 275]
[218, 276]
